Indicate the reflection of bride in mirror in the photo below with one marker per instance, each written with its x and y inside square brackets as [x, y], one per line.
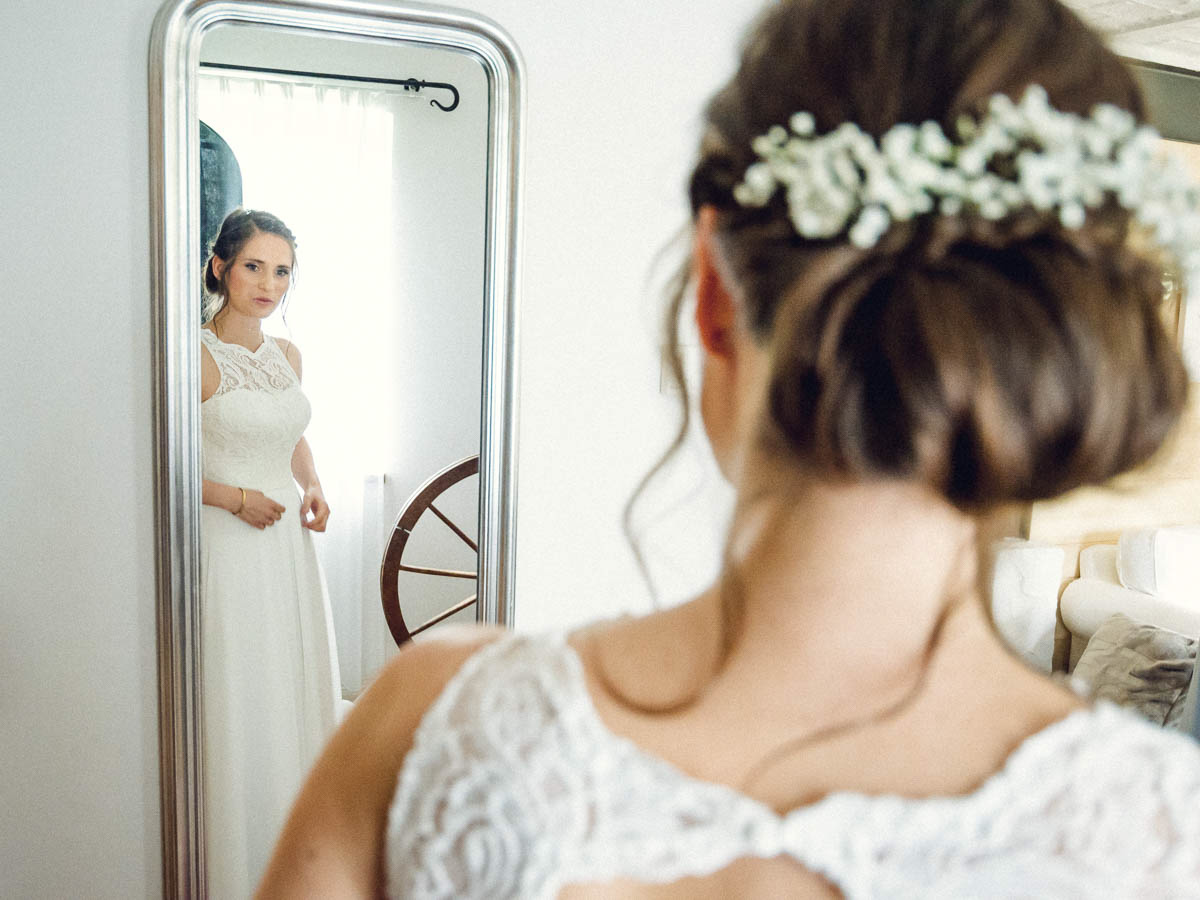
[267, 664]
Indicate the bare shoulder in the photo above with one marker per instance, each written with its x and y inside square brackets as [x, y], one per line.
[210, 374]
[379, 729]
[416, 677]
[437, 660]
[332, 844]
[291, 352]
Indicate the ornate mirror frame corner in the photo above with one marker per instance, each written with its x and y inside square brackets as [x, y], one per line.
[175, 277]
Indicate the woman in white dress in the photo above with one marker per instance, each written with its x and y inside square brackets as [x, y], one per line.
[921, 298]
[267, 660]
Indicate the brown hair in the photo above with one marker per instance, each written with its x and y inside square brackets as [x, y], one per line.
[237, 228]
[997, 362]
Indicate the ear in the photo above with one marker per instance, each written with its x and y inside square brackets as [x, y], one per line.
[715, 308]
[218, 266]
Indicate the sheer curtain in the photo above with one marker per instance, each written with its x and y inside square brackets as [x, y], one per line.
[320, 156]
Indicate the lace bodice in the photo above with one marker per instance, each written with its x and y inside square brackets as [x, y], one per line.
[252, 422]
[514, 787]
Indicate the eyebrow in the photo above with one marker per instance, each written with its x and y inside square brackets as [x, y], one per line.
[247, 259]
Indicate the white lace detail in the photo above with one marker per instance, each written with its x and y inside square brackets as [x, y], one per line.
[515, 788]
[251, 424]
[264, 369]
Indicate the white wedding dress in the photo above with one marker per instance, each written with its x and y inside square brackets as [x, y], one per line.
[268, 667]
[514, 788]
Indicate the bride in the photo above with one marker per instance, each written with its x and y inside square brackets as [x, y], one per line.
[924, 290]
[267, 654]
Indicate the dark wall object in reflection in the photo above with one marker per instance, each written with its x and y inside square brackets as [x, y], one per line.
[220, 185]
[394, 561]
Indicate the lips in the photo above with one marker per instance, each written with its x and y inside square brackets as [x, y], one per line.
[266, 301]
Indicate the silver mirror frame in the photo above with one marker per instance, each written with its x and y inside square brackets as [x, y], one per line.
[175, 279]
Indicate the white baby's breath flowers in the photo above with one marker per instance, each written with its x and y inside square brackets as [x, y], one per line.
[1019, 156]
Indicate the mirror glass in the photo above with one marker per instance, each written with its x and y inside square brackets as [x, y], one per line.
[386, 193]
[385, 139]
[383, 182]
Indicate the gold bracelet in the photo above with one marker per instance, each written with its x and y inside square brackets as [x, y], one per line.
[243, 506]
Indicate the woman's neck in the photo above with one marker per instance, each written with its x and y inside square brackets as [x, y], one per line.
[822, 574]
[234, 328]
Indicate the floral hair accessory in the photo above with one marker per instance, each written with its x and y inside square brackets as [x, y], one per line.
[1020, 156]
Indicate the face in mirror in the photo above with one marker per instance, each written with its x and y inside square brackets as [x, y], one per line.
[344, 202]
[253, 283]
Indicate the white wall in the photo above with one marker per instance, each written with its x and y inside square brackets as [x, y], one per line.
[78, 744]
[614, 95]
[615, 92]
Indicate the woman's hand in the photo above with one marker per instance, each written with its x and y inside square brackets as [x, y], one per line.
[260, 510]
[314, 511]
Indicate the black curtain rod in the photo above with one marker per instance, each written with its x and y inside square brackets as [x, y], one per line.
[409, 84]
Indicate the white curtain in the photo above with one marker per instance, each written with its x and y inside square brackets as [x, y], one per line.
[320, 156]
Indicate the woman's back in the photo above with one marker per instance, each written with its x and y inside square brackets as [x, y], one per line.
[519, 786]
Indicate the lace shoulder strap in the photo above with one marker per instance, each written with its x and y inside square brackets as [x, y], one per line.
[266, 369]
[211, 342]
[478, 809]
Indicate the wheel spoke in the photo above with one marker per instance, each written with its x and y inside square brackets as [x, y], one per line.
[407, 520]
[458, 607]
[437, 512]
[446, 573]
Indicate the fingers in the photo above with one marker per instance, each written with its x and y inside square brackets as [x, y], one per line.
[260, 511]
[258, 521]
[266, 518]
[320, 515]
[254, 520]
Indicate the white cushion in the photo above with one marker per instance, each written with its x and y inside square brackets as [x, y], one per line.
[1025, 583]
[1164, 562]
[1099, 561]
[1087, 602]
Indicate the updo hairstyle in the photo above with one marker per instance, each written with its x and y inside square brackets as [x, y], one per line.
[239, 226]
[997, 362]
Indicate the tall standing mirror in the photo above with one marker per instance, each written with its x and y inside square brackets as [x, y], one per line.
[386, 137]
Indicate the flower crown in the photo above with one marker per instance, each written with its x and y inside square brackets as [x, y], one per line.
[843, 182]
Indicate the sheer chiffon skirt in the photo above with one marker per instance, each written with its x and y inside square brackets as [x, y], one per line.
[268, 671]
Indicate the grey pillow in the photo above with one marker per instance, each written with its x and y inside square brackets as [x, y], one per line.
[1145, 668]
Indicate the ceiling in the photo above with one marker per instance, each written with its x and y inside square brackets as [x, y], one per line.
[1158, 31]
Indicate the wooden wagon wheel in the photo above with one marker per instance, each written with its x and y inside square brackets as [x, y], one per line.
[418, 504]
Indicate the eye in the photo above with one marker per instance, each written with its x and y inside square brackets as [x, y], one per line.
[282, 272]
[253, 267]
